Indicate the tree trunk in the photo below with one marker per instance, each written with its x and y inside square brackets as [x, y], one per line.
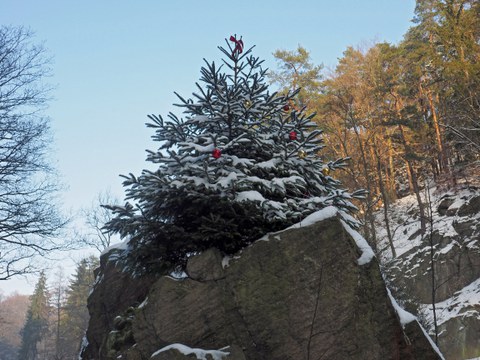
[438, 134]
[416, 188]
[391, 183]
[410, 177]
[385, 200]
[369, 217]
[411, 171]
[432, 263]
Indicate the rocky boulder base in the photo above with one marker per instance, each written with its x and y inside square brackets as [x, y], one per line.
[298, 294]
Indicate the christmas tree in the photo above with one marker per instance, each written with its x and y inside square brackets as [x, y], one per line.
[241, 163]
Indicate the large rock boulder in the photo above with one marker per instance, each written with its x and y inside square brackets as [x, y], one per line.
[111, 303]
[297, 294]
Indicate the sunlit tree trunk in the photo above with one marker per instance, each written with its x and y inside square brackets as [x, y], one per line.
[411, 171]
[386, 201]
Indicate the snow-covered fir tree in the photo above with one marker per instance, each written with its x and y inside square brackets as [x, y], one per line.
[241, 163]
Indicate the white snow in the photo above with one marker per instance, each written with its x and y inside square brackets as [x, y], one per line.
[250, 195]
[332, 211]
[294, 179]
[196, 180]
[199, 353]
[456, 204]
[405, 224]
[447, 248]
[320, 215]
[463, 303]
[143, 304]
[444, 227]
[404, 316]
[202, 149]
[177, 275]
[270, 164]
[240, 161]
[227, 180]
[367, 251]
[83, 346]
[226, 261]
[123, 245]
[434, 346]
[473, 244]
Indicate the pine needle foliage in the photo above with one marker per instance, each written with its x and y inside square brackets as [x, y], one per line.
[241, 162]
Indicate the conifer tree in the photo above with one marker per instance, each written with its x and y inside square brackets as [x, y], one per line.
[296, 71]
[36, 324]
[241, 163]
[76, 312]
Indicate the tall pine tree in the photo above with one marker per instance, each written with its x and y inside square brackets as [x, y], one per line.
[36, 324]
[243, 162]
[76, 312]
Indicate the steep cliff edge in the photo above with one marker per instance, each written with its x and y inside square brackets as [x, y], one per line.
[309, 292]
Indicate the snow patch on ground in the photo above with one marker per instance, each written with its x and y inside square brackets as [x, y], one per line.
[463, 303]
[411, 246]
[405, 222]
[200, 354]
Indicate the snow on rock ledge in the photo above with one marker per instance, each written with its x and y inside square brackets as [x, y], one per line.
[199, 354]
[331, 212]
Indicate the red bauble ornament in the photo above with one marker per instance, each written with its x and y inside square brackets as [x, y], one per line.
[216, 153]
[286, 108]
[292, 135]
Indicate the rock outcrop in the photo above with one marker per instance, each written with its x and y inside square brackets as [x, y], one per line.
[454, 241]
[115, 293]
[297, 294]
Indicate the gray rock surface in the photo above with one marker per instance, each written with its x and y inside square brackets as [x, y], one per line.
[298, 294]
[456, 257]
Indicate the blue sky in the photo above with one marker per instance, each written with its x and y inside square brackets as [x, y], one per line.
[117, 61]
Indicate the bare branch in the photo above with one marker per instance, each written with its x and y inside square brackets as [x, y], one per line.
[29, 220]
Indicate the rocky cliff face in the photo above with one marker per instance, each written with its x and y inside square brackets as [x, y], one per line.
[298, 294]
[454, 233]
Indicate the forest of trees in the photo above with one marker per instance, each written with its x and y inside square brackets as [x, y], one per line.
[13, 310]
[403, 113]
[51, 323]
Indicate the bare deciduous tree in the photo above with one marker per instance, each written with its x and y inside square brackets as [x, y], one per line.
[95, 218]
[29, 220]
